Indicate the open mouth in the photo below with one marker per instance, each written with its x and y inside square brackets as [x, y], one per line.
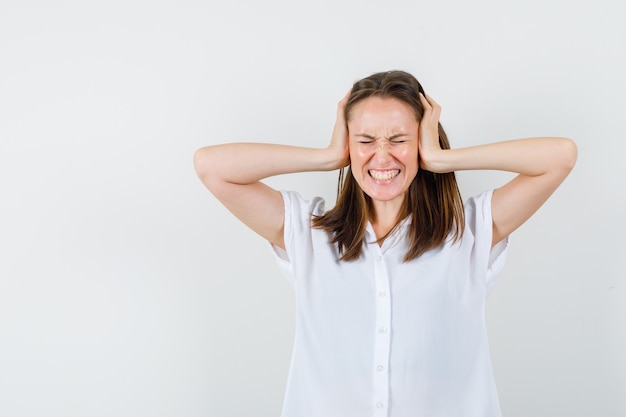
[383, 174]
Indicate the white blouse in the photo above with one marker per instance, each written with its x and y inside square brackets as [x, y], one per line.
[379, 337]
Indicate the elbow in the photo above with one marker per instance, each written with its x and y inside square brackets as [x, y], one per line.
[206, 163]
[568, 154]
[201, 162]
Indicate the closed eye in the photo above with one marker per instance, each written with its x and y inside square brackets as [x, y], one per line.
[401, 138]
[365, 139]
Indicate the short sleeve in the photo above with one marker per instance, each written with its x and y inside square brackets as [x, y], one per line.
[489, 260]
[297, 231]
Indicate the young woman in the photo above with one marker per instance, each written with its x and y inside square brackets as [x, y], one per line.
[390, 283]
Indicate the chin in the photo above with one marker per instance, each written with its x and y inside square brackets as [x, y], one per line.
[384, 196]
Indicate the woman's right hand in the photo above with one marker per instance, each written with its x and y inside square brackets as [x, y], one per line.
[233, 173]
[339, 147]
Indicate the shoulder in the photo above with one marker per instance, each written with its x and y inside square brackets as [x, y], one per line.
[488, 258]
[295, 203]
[478, 210]
[299, 212]
[299, 236]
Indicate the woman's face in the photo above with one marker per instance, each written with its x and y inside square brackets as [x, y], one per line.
[383, 140]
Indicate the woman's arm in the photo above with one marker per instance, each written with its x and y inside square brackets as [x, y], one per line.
[542, 165]
[233, 173]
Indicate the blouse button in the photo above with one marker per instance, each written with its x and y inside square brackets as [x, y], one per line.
[379, 405]
[382, 329]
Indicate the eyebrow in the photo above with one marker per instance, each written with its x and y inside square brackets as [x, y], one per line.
[392, 137]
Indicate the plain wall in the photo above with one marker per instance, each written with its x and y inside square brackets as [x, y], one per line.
[126, 289]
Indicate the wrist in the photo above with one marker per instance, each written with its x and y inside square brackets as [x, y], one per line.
[334, 157]
[435, 160]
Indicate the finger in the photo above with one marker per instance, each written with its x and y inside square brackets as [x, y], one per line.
[344, 99]
[431, 100]
[423, 99]
[433, 103]
[435, 108]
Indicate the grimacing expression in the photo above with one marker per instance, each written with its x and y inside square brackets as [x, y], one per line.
[383, 141]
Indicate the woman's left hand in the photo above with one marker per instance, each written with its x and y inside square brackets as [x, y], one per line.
[428, 140]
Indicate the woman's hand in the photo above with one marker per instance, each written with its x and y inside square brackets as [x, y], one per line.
[338, 147]
[428, 140]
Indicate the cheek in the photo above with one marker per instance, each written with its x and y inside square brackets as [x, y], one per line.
[359, 154]
[408, 154]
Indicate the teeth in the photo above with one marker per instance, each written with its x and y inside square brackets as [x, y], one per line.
[384, 175]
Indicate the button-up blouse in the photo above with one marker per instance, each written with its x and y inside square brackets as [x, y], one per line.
[379, 337]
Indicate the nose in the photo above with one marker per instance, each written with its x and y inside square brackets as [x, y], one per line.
[382, 151]
[381, 144]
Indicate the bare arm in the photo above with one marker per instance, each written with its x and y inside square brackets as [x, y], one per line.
[542, 165]
[233, 173]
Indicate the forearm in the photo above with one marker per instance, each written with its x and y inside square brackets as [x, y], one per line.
[531, 157]
[246, 163]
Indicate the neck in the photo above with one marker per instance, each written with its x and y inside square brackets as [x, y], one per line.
[384, 217]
